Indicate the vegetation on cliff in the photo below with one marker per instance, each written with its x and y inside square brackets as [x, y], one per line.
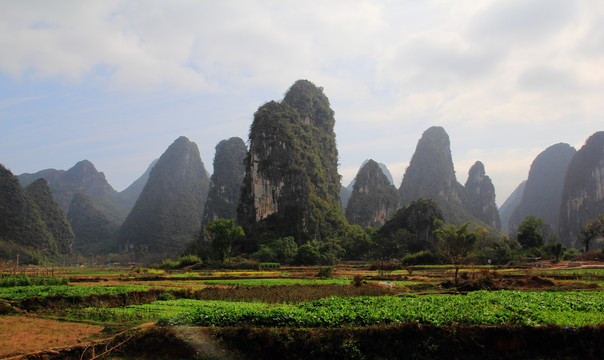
[29, 221]
[94, 233]
[291, 185]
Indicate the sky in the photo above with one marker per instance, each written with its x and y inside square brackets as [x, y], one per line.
[116, 82]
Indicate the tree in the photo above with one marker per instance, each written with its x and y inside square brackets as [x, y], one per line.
[530, 232]
[224, 233]
[455, 244]
[592, 229]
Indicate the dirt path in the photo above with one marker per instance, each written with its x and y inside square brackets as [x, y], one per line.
[24, 335]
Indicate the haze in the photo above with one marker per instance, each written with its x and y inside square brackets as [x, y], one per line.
[116, 82]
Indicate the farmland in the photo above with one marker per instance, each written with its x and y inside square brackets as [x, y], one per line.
[292, 312]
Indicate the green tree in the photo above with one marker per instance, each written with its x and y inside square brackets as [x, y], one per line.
[592, 230]
[531, 232]
[224, 233]
[456, 244]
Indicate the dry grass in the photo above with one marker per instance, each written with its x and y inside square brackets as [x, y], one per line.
[24, 335]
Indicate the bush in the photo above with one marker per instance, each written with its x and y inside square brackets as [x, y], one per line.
[307, 255]
[358, 280]
[182, 262]
[325, 272]
[425, 257]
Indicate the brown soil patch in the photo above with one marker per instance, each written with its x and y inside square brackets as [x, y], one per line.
[24, 335]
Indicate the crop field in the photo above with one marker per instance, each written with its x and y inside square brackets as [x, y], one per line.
[342, 315]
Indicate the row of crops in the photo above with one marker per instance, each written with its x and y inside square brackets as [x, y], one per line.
[568, 309]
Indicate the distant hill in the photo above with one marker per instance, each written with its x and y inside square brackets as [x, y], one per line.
[480, 196]
[168, 211]
[82, 177]
[544, 185]
[225, 183]
[94, 233]
[384, 170]
[374, 199]
[52, 215]
[583, 194]
[509, 205]
[127, 198]
[31, 222]
[291, 185]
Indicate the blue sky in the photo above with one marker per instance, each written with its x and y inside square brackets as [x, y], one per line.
[116, 82]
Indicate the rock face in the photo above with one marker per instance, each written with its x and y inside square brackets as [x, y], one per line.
[345, 195]
[291, 185]
[82, 177]
[374, 199]
[583, 194]
[225, 183]
[431, 175]
[30, 219]
[94, 233]
[509, 205]
[168, 211]
[544, 184]
[480, 196]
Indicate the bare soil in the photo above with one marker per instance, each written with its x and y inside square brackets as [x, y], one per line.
[24, 335]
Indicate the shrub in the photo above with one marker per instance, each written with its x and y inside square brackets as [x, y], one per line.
[425, 257]
[358, 280]
[325, 272]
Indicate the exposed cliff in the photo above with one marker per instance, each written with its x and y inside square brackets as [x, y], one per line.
[543, 191]
[291, 185]
[374, 199]
[168, 211]
[509, 205]
[94, 233]
[480, 196]
[225, 183]
[583, 194]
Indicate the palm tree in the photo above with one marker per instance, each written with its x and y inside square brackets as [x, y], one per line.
[456, 243]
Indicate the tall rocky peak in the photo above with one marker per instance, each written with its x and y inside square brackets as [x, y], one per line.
[291, 185]
[94, 233]
[544, 186]
[168, 211]
[374, 199]
[480, 196]
[52, 215]
[583, 193]
[225, 183]
[431, 175]
[23, 216]
[509, 205]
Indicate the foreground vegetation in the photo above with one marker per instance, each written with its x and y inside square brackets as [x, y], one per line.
[343, 311]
